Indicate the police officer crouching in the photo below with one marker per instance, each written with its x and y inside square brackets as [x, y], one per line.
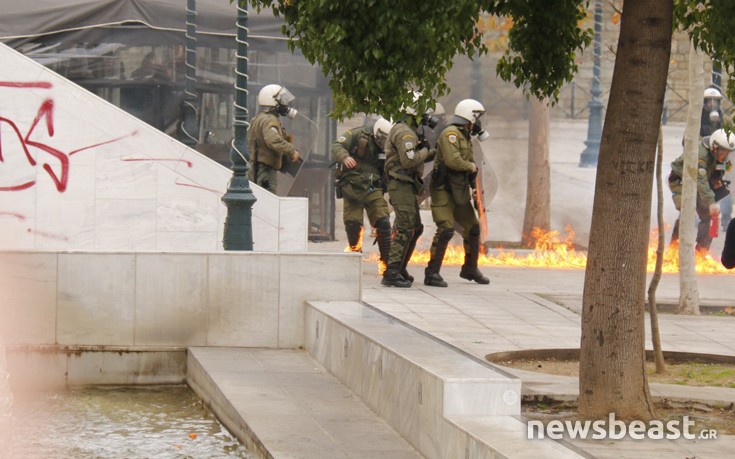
[452, 187]
[712, 163]
[267, 140]
[360, 181]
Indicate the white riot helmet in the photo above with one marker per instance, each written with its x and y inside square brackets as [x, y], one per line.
[439, 109]
[712, 93]
[427, 118]
[381, 129]
[469, 109]
[275, 95]
[723, 140]
[412, 109]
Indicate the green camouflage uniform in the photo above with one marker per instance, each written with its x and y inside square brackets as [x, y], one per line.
[707, 169]
[269, 147]
[362, 186]
[451, 201]
[404, 165]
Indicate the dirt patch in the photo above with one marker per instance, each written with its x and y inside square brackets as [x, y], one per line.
[682, 373]
[698, 374]
[717, 308]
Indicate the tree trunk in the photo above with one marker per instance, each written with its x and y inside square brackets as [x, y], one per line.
[538, 190]
[688, 291]
[612, 360]
[658, 353]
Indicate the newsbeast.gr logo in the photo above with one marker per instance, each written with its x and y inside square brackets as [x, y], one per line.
[612, 429]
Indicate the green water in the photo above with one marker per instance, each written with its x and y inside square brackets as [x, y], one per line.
[117, 422]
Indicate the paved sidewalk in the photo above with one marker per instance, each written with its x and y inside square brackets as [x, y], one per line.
[516, 310]
[512, 313]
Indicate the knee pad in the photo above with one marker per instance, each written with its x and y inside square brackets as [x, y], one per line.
[418, 231]
[475, 231]
[446, 235]
[383, 224]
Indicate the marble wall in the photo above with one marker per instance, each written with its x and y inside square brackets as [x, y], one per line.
[134, 299]
[77, 173]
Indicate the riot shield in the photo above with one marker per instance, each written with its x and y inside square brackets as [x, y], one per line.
[294, 179]
[487, 186]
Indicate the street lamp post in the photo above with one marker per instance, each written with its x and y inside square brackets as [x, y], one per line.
[239, 198]
[190, 123]
[588, 158]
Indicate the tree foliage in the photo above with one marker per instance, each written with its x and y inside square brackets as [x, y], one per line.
[709, 24]
[376, 52]
[542, 47]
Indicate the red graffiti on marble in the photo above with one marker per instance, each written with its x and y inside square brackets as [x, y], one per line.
[48, 235]
[193, 185]
[54, 161]
[26, 84]
[188, 163]
[20, 217]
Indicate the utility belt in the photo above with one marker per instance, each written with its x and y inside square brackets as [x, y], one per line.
[355, 186]
[406, 175]
[441, 175]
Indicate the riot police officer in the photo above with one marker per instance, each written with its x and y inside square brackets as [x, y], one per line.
[712, 118]
[405, 155]
[267, 140]
[711, 166]
[360, 182]
[452, 185]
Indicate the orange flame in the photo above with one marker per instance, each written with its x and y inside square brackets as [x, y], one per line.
[550, 251]
[357, 247]
[382, 266]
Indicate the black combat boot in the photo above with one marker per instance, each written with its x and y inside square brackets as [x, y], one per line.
[353, 229]
[392, 277]
[471, 253]
[704, 241]
[675, 234]
[382, 227]
[432, 277]
[409, 251]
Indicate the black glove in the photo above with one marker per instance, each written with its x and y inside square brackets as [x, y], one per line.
[471, 178]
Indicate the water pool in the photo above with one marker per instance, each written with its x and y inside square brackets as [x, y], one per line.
[118, 422]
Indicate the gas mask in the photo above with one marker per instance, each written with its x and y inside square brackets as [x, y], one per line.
[284, 97]
[712, 105]
[427, 119]
[285, 110]
[478, 131]
[380, 139]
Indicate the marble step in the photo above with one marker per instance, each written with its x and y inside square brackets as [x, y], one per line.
[281, 403]
[446, 403]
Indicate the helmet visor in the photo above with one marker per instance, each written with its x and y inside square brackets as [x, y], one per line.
[711, 104]
[284, 96]
[478, 115]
